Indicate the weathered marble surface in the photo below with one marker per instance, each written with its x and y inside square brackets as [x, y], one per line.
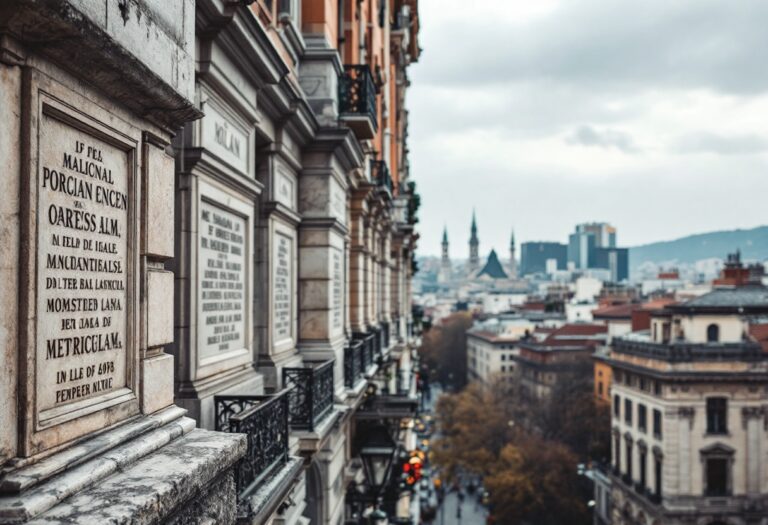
[271, 493]
[169, 485]
[45, 496]
[27, 476]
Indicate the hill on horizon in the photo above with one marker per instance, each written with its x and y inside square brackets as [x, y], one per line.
[753, 244]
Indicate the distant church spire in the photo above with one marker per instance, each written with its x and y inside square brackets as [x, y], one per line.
[445, 262]
[512, 257]
[445, 258]
[474, 246]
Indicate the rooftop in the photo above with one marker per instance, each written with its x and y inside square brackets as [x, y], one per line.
[740, 299]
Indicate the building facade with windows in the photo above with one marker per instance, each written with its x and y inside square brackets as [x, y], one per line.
[689, 411]
[491, 356]
[294, 241]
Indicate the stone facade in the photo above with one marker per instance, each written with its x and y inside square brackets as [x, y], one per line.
[689, 415]
[294, 242]
[92, 95]
[207, 241]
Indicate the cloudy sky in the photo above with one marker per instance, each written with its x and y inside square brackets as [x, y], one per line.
[651, 115]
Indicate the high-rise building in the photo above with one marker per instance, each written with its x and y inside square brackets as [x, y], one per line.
[604, 233]
[593, 246]
[689, 412]
[474, 246]
[615, 260]
[534, 256]
[581, 250]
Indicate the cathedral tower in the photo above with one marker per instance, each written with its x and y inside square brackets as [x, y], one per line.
[445, 261]
[512, 259]
[474, 246]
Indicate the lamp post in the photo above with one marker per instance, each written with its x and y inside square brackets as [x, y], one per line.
[377, 453]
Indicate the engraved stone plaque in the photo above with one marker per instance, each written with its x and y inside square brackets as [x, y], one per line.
[225, 139]
[284, 190]
[282, 294]
[221, 284]
[338, 288]
[82, 274]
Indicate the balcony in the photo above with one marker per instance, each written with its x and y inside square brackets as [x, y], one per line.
[682, 352]
[264, 420]
[380, 176]
[310, 394]
[357, 101]
[354, 363]
[369, 349]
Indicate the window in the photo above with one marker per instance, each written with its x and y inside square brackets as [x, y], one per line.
[642, 460]
[628, 411]
[503, 357]
[617, 452]
[713, 333]
[657, 474]
[643, 385]
[657, 388]
[629, 460]
[600, 388]
[616, 407]
[642, 422]
[657, 423]
[718, 461]
[717, 415]
[717, 477]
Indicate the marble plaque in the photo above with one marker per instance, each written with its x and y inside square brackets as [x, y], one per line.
[82, 272]
[284, 192]
[338, 288]
[221, 281]
[282, 288]
[225, 139]
[338, 202]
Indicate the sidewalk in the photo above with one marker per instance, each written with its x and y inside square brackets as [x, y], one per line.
[472, 512]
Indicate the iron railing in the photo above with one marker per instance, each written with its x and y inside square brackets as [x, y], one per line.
[380, 175]
[357, 93]
[686, 352]
[385, 335]
[368, 352]
[353, 362]
[310, 394]
[264, 420]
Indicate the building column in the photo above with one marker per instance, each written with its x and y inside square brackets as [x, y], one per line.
[685, 425]
[752, 419]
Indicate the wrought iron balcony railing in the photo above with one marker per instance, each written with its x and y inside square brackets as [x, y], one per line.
[353, 363]
[310, 394]
[357, 99]
[677, 352]
[380, 175]
[264, 419]
[385, 335]
[368, 353]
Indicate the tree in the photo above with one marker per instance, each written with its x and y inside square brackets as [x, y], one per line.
[536, 481]
[572, 416]
[474, 427]
[444, 350]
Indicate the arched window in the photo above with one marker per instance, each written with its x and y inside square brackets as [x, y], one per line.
[713, 333]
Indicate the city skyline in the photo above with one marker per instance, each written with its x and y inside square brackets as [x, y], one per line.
[538, 111]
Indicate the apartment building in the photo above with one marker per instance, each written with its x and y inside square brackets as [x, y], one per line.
[689, 402]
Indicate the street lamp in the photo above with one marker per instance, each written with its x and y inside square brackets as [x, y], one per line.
[377, 453]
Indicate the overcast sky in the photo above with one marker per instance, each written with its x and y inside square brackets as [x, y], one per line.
[650, 115]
